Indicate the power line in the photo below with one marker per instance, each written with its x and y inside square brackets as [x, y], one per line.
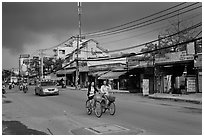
[138, 35]
[198, 34]
[109, 32]
[182, 43]
[192, 27]
[189, 28]
[60, 43]
[136, 20]
[54, 46]
[136, 25]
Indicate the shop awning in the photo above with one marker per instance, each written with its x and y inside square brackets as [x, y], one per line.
[69, 71]
[99, 73]
[112, 75]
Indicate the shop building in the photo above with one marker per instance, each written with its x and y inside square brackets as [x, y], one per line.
[175, 73]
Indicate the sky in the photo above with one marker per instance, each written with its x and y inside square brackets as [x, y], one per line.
[29, 26]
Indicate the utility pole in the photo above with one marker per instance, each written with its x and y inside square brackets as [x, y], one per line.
[178, 25]
[78, 39]
[41, 55]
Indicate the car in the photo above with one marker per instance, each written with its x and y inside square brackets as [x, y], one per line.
[46, 88]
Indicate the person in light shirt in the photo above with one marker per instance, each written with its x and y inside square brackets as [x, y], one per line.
[105, 88]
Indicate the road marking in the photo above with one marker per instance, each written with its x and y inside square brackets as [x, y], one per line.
[106, 129]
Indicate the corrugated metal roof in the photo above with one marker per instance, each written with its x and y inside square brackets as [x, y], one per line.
[69, 71]
[112, 75]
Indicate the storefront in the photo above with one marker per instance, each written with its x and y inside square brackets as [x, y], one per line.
[83, 76]
[141, 79]
[140, 75]
[116, 79]
[175, 74]
[198, 67]
[67, 75]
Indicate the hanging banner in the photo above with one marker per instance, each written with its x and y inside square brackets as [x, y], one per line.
[145, 87]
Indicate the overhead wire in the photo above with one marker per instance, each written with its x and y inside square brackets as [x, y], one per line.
[142, 24]
[136, 46]
[192, 27]
[140, 53]
[123, 24]
[141, 34]
[192, 16]
[136, 20]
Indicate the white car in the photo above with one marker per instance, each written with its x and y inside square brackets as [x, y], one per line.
[46, 88]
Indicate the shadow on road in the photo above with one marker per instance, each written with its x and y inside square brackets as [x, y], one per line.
[17, 128]
[6, 101]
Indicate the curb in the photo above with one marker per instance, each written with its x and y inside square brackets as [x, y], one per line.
[123, 92]
[178, 99]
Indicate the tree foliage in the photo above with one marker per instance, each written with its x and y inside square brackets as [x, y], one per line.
[174, 28]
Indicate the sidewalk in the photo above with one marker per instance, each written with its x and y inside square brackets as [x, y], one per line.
[193, 98]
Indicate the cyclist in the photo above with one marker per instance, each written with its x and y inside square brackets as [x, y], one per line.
[105, 90]
[91, 91]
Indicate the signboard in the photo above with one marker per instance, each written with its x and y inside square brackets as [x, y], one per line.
[174, 56]
[24, 64]
[200, 82]
[191, 48]
[84, 69]
[145, 86]
[24, 56]
[191, 84]
[198, 61]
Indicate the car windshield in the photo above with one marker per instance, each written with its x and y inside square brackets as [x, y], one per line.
[48, 83]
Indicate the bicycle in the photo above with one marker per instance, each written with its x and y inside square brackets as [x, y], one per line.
[94, 105]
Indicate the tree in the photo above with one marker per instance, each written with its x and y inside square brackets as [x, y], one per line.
[174, 28]
[147, 48]
[182, 36]
[6, 74]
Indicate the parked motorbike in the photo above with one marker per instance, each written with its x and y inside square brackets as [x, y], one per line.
[10, 86]
[25, 88]
[3, 89]
[63, 85]
[20, 87]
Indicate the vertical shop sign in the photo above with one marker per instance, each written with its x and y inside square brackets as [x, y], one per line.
[191, 84]
[145, 86]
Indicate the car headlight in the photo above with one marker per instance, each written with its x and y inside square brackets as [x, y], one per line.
[45, 90]
[56, 90]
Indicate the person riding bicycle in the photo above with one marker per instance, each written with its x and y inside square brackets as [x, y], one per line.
[91, 91]
[105, 88]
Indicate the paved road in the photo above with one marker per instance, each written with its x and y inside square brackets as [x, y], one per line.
[66, 114]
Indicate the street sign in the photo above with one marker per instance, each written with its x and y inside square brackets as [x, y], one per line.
[24, 55]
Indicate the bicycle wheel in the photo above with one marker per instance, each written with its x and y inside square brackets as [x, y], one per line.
[98, 109]
[112, 108]
[103, 106]
[88, 107]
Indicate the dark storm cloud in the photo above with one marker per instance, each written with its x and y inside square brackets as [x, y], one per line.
[21, 20]
[105, 15]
